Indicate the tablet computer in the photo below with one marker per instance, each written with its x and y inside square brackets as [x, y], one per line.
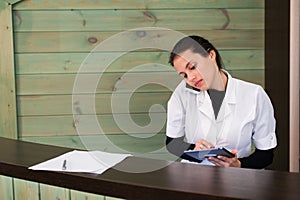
[202, 154]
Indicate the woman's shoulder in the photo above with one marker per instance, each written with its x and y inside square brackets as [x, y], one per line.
[181, 85]
[242, 84]
[249, 91]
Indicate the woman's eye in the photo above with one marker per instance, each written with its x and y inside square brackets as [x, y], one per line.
[183, 75]
[192, 67]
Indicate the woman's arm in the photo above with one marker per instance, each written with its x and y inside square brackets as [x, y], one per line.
[177, 146]
[258, 160]
[264, 136]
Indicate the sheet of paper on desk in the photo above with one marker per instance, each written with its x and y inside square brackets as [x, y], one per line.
[82, 161]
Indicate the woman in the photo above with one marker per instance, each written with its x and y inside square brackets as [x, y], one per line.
[211, 109]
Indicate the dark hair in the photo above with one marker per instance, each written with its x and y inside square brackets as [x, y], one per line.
[197, 44]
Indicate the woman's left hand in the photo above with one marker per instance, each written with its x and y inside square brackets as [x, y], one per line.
[225, 161]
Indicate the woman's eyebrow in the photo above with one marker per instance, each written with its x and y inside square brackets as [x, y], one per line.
[186, 67]
[187, 64]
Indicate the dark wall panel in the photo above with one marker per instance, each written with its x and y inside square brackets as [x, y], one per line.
[277, 16]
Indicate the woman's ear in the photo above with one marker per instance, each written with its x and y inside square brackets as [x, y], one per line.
[212, 55]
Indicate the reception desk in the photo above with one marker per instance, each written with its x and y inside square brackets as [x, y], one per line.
[171, 180]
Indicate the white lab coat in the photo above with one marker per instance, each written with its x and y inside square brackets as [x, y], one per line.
[246, 115]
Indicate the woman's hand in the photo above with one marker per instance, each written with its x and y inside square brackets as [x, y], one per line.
[225, 161]
[203, 144]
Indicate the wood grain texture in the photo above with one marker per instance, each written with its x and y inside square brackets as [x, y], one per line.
[77, 195]
[111, 82]
[6, 188]
[60, 42]
[25, 190]
[135, 4]
[64, 63]
[53, 42]
[8, 124]
[120, 20]
[151, 146]
[103, 83]
[48, 192]
[44, 105]
[66, 125]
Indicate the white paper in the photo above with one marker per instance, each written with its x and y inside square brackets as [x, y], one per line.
[82, 161]
[204, 162]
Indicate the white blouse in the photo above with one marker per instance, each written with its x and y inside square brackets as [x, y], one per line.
[246, 115]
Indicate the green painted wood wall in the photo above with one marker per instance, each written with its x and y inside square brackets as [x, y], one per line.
[53, 38]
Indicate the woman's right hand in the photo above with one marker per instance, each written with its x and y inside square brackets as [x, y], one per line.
[203, 144]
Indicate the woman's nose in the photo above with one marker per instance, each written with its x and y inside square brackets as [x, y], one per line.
[190, 76]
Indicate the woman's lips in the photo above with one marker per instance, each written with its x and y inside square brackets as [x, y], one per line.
[198, 83]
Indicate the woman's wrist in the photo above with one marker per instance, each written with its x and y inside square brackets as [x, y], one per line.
[192, 147]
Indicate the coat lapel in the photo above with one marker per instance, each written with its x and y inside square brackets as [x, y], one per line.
[229, 100]
[204, 105]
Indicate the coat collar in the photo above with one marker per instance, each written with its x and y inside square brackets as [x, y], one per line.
[205, 105]
[230, 94]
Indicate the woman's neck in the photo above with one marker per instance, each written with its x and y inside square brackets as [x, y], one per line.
[224, 77]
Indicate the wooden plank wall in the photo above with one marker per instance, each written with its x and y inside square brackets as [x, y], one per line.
[8, 119]
[53, 38]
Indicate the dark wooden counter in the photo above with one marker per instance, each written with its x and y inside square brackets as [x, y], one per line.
[175, 181]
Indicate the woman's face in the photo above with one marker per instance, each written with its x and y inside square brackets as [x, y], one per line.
[197, 70]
